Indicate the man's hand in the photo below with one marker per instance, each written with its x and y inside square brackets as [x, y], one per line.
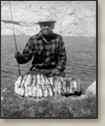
[17, 55]
[55, 72]
[46, 72]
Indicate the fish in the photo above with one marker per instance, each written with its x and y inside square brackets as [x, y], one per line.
[43, 83]
[49, 87]
[36, 95]
[19, 91]
[42, 79]
[29, 91]
[64, 85]
[16, 89]
[40, 91]
[30, 87]
[79, 86]
[39, 87]
[37, 91]
[34, 91]
[17, 84]
[68, 85]
[51, 80]
[38, 80]
[23, 80]
[22, 92]
[26, 84]
[55, 86]
[73, 85]
[45, 91]
[33, 86]
[60, 86]
[44, 88]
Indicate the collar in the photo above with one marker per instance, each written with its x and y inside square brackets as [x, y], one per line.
[41, 36]
[51, 36]
[45, 39]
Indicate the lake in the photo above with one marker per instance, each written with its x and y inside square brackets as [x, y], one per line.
[81, 59]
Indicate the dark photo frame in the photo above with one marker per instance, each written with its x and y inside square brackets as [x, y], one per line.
[72, 48]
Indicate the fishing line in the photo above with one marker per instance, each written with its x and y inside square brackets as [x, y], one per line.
[14, 35]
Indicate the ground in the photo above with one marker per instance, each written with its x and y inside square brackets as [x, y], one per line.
[14, 106]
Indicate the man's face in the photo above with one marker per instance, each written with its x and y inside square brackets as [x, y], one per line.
[47, 28]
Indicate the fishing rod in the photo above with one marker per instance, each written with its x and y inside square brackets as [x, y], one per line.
[14, 36]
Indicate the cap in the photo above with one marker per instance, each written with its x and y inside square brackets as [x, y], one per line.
[43, 22]
[46, 20]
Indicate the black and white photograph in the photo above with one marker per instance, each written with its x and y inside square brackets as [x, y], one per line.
[49, 60]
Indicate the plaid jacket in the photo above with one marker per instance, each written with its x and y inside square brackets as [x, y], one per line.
[46, 52]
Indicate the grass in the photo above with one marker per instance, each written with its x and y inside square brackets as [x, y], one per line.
[54, 107]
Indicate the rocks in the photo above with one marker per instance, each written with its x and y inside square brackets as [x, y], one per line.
[91, 90]
[4, 90]
[2, 98]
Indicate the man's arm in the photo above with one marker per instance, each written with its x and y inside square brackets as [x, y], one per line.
[62, 58]
[27, 53]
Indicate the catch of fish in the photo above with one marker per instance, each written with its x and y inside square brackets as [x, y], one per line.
[40, 86]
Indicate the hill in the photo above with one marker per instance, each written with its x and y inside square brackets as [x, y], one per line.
[74, 18]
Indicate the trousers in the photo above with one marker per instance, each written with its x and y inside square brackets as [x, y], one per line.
[46, 72]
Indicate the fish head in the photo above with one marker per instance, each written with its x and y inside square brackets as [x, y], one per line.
[51, 80]
[74, 85]
[34, 80]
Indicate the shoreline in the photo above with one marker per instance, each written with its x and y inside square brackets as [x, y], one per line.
[58, 33]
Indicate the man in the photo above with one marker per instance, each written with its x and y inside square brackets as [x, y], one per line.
[47, 50]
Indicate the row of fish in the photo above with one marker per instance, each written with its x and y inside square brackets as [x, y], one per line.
[39, 86]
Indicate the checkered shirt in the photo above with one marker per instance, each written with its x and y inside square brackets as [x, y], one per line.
[45, 52]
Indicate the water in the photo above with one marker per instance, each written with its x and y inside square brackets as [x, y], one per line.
[81, 59]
